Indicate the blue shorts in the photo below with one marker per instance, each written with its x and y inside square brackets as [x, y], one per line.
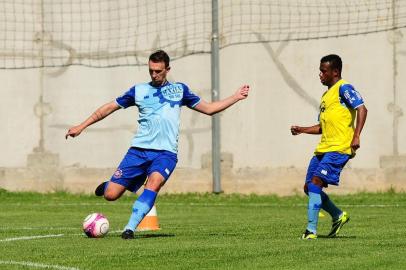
[139, 163]
[328, 167]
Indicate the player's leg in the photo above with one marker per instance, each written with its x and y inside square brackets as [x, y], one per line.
[159, 171]
[130, 175]
[329, 170]
[100, 189]
[338, 224]
[328, 206]
[314, 189]
[143, 204]
[113, 191]
[311, 190]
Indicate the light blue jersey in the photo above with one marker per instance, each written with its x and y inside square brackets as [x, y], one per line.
[159, 113]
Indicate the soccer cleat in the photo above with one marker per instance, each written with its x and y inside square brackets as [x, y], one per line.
[99, 191]
[338, 224]
[308, 235]
[127, 234]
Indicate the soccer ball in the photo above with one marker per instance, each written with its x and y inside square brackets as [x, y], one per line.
[95, 225]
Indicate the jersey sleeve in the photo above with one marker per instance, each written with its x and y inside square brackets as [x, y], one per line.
[127, 99]
[189, 99]
[350, 97]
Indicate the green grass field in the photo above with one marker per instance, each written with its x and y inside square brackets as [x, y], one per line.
[201, 231]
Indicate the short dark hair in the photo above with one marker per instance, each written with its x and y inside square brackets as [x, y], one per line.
[160, 56]
[334, 60]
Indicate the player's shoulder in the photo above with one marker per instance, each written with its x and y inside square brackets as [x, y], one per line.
[350, 94]
[347, 87]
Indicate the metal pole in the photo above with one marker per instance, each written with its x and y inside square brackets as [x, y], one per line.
[396, 110]
[40, 105]
[215, 93]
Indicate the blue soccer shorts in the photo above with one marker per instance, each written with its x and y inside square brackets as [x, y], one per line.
[327, 167]
[139, 163]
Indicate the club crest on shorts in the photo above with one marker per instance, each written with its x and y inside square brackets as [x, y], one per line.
[118, 173]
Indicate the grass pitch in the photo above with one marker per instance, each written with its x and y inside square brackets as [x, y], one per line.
[201, 231]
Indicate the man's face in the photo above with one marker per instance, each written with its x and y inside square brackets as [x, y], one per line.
[158, 72]
[327, 74]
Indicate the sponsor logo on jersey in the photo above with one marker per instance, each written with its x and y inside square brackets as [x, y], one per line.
[171, 94]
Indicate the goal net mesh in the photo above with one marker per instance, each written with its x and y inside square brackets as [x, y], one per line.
[105, 33]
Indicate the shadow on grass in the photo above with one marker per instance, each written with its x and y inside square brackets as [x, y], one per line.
[338, 237]
[155, 235]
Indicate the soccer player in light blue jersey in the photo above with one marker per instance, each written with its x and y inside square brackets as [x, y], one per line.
[153, 151]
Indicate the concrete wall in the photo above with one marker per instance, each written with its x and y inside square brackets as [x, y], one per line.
[259, 154]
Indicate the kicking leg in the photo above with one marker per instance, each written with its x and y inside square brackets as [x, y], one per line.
[99, 191]
[113, 191]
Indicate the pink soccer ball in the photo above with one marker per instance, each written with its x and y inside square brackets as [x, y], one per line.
[95, 225]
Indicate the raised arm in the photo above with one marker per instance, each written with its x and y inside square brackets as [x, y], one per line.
[296, 130]
[211, 108]
[98, 115]
[360, 121]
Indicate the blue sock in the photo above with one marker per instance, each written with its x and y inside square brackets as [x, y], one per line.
[328, 206]
[141, 207]
[313, 207]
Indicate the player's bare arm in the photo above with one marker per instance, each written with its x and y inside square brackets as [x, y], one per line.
[211, 108]
[98, 115]
[361, 118]
[296, 130]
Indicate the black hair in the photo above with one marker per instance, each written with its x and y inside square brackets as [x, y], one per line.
[160, 56]
[334, 60]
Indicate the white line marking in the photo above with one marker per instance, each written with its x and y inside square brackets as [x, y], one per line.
[4, 228]
[39, 265]
[30, 237]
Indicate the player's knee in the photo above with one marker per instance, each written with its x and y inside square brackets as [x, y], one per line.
[110, 196]
[317, 181]
[155, 183]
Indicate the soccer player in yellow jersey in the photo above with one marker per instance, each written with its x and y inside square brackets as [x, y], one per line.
[341, 107]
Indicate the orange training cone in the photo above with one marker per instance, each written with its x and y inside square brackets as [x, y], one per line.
[150, 221]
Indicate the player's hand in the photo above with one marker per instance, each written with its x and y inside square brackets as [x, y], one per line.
[242, 92]
[355, 143]
[295, 130]
[73, 132]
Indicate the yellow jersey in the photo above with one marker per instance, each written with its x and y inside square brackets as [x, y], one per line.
[337, 115]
